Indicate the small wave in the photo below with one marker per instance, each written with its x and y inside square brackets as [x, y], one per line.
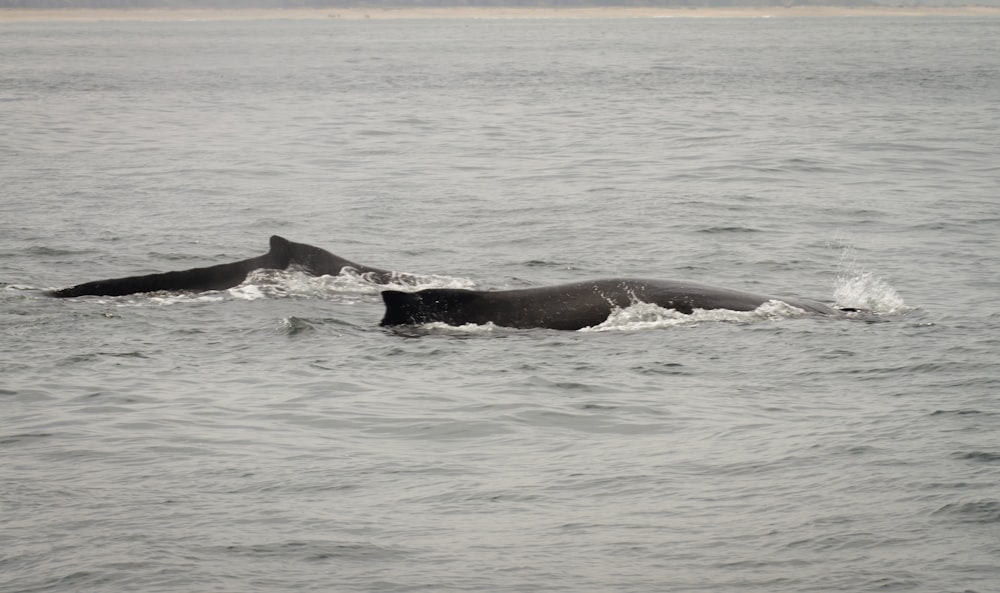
[315, 550]
[978, 511]
[980, 456]
[729, 229]
[42, 250]
[544, 263]
[296, 325]
[963, 412]
[27, 437]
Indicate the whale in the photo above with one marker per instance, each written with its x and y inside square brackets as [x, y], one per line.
[570, 306]
[281, 255]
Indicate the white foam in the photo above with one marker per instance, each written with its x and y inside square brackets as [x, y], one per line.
[168, 298]
[467, 328]
[643, 316]
[296, 283]
[400, 281]
[860, 289]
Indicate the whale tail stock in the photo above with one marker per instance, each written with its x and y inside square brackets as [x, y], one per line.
[218, 277]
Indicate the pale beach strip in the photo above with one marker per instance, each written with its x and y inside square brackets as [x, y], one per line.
[358, 13]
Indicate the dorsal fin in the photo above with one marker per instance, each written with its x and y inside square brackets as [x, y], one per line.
[280, 254]
[402, 308]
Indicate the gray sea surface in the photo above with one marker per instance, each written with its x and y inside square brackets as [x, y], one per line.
[274, 438]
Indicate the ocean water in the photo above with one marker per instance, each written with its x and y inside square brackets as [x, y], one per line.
[273, 437]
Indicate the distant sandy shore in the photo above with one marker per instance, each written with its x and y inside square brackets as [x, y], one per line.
[95, 15]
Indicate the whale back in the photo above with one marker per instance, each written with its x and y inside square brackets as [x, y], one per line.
[320, 262]
[218, 277]
[569, 306]
[282, 253]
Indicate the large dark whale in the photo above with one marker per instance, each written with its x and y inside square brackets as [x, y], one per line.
[283, 253]
[569, 306]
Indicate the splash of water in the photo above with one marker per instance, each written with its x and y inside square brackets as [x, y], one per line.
[642, 316]
[295, 283]
[858, 288]
[439, 327]
[292, 283]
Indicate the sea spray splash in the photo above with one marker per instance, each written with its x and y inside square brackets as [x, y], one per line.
[296, 283]
[642, 316]
[858, 288]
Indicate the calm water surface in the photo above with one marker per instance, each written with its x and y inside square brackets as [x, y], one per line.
[274, 438]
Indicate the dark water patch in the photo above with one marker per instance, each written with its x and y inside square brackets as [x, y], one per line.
[541, 263]
[663, 368]
[474, 500]
[85, 580]
[979, 456]
[43, 251]
[623, 413]
[316, 551]
[959, 227]
[25, 395]
[983, 383]
[290, 488]
[179, 450]
[133, 354]
[729, 229]
[957, 412]
[597, 407]
[410, 352]
[591, 423]
[600, 485]
[937, 368]
[958, 485]
[18, 439]
[111, 400]
[92, 357]
[861, 450]
[812, 166]
[536, 382]
[330, 321]
[436, 429]
[858, 540]
[979, 511]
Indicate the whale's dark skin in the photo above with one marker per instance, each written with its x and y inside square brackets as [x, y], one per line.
[283, 253]
[569, 306]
